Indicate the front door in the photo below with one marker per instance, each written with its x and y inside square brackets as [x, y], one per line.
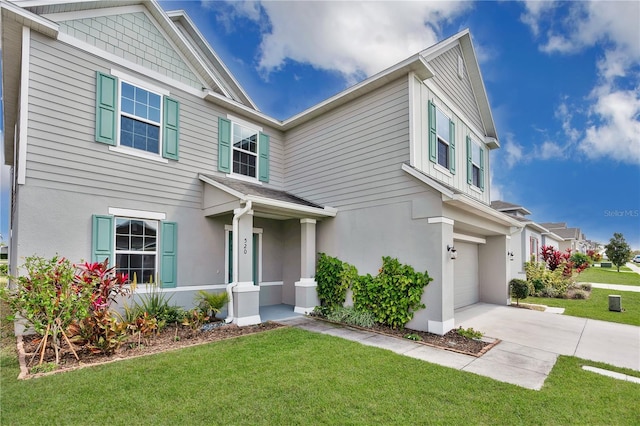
[255, 257]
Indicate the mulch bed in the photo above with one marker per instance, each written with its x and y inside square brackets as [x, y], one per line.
[176, 337]
[450, 341]
[170, 338]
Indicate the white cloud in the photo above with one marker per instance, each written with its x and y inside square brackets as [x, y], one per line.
[536, 10]
[565, 116]
[617, 135]
[550, 151]
[355, 39]
[614, 109]
[513, 151]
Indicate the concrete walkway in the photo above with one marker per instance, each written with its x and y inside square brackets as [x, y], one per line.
[616, 287]
[531, 342]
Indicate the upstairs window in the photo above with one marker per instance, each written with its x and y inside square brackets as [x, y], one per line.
[245, 150]
[140, 112]
[142, 121]
[442, 147]
[475, 164]
[242, 150]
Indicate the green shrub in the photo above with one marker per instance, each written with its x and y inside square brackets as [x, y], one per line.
[332, 280]
[352, 316]
[543, 281]
[50, 298]
[211, 303]
[470, 333]
[4, 269]
[393, 295]
[580, 260]
[519, 289]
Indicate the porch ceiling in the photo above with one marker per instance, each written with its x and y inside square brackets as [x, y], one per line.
[222, 195]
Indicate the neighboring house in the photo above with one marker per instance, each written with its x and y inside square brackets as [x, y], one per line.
[526, 242]
[130, 140]
[573, 238]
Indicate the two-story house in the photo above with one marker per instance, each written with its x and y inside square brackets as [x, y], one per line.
[130, 140]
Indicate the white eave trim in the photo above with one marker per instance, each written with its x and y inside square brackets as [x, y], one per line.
[427, 180]
[483, 210]
[31, 20]
[270, 202]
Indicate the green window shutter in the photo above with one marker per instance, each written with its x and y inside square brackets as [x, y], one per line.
[469, 162]
[452, 147]
[106, 108]
[263, 157]
[224, 145]
[102, 239]
[482, 169]
[171, 129]
[168, 254]
[433, 153]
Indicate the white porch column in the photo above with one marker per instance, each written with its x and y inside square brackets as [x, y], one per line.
[246, 295]
[306, 292]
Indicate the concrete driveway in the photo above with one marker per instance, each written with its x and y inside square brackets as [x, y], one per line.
[612, 343]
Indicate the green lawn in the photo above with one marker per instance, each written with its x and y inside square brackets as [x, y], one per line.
[291, 376]
[597, 306]
[608, 276]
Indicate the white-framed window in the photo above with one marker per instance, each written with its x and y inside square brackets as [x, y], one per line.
[443, 132]
[245, 150]
[136, 117]
[140, 118]
[475, 164]
[442, 146]
[136, 248]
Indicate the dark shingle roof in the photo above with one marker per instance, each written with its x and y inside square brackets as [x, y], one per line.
[248, 188]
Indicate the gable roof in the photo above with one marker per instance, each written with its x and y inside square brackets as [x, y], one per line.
[463, 38]
[39, 15]
[503, 206]
[238, 93]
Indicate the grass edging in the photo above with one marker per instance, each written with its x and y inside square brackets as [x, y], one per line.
[493, 341]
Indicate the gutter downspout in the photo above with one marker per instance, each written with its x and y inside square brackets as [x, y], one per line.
[237, 214]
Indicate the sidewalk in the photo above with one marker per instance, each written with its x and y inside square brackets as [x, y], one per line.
[531, 342]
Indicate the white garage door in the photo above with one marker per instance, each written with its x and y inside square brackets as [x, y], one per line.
[465, 275]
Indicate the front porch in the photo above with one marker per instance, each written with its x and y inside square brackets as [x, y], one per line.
[270, 247]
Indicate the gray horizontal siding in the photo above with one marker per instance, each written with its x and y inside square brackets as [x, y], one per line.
[62, 153]
[354, 154]
[459, 90]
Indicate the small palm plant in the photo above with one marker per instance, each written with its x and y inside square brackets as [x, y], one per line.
[211, 303]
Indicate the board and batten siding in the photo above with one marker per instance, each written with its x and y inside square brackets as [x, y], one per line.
[352, 156]
[420, 144]
[62, 152]
[446, 79]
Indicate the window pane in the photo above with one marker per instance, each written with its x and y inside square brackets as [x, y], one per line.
[443, 153]
[442, 125]
[475, 153]
[136, 235]
[139, 135]
[476, 176]
[154, 114]
[244, 163]
[128, 91]
[127, 106]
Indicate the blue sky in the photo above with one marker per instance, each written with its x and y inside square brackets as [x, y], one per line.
[563, 80]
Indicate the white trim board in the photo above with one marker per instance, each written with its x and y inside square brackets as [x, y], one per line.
[24, 106]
